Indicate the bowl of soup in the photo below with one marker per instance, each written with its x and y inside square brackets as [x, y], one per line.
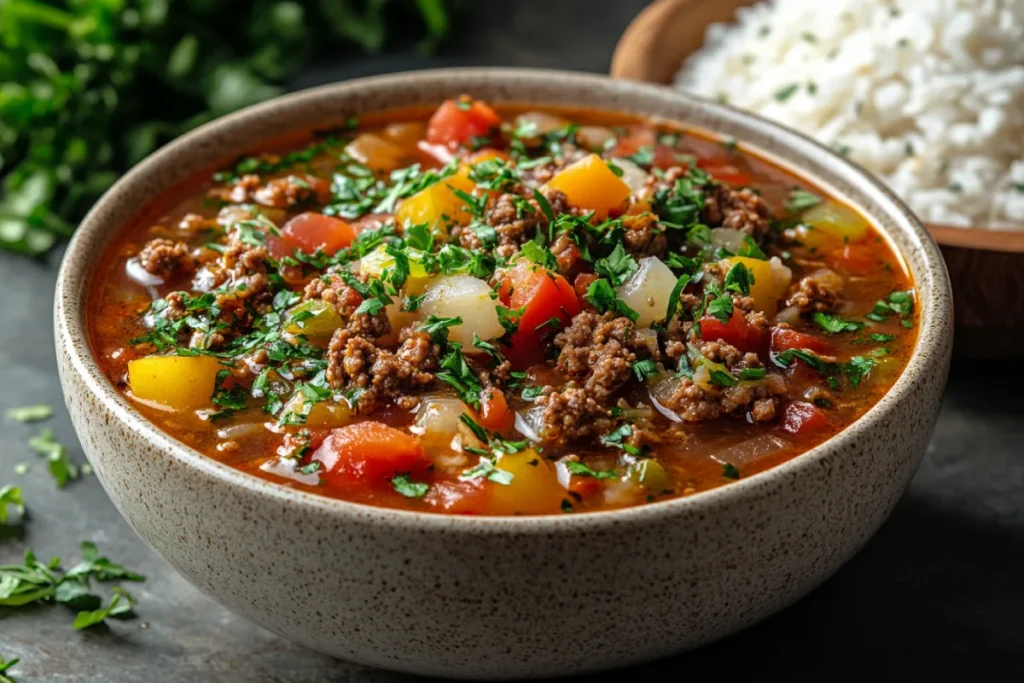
[498, 373]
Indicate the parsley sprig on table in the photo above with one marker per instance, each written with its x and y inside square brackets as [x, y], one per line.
[92, 87]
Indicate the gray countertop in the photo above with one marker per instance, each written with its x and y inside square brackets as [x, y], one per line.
[936, 594]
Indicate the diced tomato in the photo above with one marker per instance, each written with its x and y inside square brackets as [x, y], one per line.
[855, 258]
[784, 339]
[459, 497]
[725, 172]
[456, 121]
[368, 452]
[800, 417]
[582, 283]
[494, 411]
[546, 299]
[584, 487]
[310, 231]
[737, 332]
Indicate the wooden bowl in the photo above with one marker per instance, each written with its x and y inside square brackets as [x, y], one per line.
[986, 266]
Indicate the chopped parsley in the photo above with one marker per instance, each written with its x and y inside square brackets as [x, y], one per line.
[601, 296]
[739, 279]
[836, 325]
[62, 469]
[404, 485]
[785, 93]
[645, 369]
[35, 413]
[618, 437]
[800, 200]
[581, 469]
[729, 471]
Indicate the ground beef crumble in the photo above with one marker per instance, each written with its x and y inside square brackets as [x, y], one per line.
[740, 209]
[345, 300]
[374, 375]
[513, 225]
[166, 259]
[815, 294]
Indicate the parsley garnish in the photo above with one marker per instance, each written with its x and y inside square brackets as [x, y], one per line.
[404, 485]
[35, 413]
[673, 298]
[437, 328]
[457, 373]
[618, 266]
[60, 466]
[739, 279]
[617, 439]
[644, 369]
[582, 469]
[836, 325]
[800, 200]
[720, 307]
[729, 471]
[601, 296]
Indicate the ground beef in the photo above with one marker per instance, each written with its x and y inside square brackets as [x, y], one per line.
[345, 300]
[166, 259]
[815, 294]
[240, 279]
[280, 193]
[572, 413]
[759, 399]
[513, 225]
[567, 254]
[642, 235]
[737, 209]
[295, 444]
[374, 375]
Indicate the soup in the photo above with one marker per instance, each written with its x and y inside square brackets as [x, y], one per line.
[502, 311]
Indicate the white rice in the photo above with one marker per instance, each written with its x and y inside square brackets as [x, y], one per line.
[928, 94]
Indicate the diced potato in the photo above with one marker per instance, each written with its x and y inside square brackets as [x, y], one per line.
[176, 382]
[771, 280]
[314, 319]
[634, 176]
[466, 297]
[648, 290]
[592, 186]
[534, 488]
[437, 205]
[650, 474]
[376, 152]
[828, 225]
[323, 414]
[378, 260]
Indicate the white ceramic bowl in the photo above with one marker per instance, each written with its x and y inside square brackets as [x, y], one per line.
[502, 597]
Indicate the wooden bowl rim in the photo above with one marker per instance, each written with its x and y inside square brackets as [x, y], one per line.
[635, 49]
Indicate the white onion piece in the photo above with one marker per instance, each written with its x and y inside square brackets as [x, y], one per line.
[632, 175]
[750, 450]
[133, 268]
[239, 430]
[466, 297]
[782, 276]
[541, 122]
[728, 239]
[562, 472]
[789, 315]
[594, 138]
[659, 389]
[286, 468]
[438, 421]
[529, 422]
[829, 278]
[648, 338]
[648, 290]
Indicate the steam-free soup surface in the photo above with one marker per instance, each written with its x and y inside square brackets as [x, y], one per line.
[490, 311]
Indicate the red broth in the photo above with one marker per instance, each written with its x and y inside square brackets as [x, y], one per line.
[499, 311]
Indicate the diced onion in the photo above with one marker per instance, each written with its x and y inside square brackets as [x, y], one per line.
[660, 389]
[466, 297]
[789, 315]
[648, 290]
[438, 421]
[529, 422]
[727, 238]
[632, 175]
[648, 338]
[133, 268]
[239, 430]
[541, 122]
[750, 450]
[288, 469]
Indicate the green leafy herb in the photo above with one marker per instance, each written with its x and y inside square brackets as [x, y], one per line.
[618, 266]
[120, 607]
[800, 200]
[882, 338]
[456, 372]
[7, 664]
[752, 373]
[644, 369]
[721, 377]
[739, 279]
[404, 485]
[601, 296]
[674, 297]
[720, 307]
[618, 437]
[544, 205]
[836, 325]
[35, 413]
[582, 469]
[438, 327]
[60, 466]
[729, 471]
[858, 369]
[644, 156]
[10, 497]
[750, 249]
[488, 470]
[534, 252]
[785, 93]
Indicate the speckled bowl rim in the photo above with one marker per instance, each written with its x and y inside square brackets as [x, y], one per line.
[74, 278]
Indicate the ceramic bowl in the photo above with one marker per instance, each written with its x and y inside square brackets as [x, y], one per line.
[502, 597]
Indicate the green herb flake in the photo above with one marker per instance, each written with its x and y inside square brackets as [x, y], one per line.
[785, 93]
[35, 413]
[11, 497]
[739, 279]
[582, 469]
[729, 471]
[645, 369]
[404, 485]
[835, 325]
[61, 467]
[800, 200]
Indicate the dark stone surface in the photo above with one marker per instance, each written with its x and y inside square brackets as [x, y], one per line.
[935, 595]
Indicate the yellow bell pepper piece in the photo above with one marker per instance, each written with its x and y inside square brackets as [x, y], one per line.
[592, 186]
[323, 414]
[829, 225]
[534, 488]
[379, 260]
[314, 319]
[176, 382]
[376, 152]
[765, 290]
[437, 205]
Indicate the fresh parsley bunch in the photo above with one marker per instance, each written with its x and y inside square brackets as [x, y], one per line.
[90, 87]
